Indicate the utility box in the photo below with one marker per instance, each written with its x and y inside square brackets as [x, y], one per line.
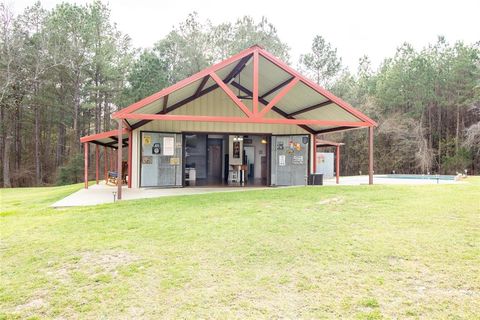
[325, 164]
[315, 179]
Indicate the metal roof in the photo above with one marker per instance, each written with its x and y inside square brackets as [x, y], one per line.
[304, 100]
[107, 139]
[327, 143]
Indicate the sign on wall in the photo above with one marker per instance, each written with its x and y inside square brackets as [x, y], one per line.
[297, 160]
[156, 149]
[147, 160]
[235, 150]
[168, 146]
[147, 139]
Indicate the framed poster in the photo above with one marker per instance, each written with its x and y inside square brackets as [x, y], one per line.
[168, 146]
[147, 160]
[147, 139]
[156, 149]
[236, 149]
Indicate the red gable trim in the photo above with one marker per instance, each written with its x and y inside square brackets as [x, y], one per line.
[181, 84]
[267, 55]
[102, 135]
[208, 72]
[170, 117]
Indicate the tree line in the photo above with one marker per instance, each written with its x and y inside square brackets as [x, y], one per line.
[64, 71]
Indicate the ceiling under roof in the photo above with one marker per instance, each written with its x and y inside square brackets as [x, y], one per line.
[305, 100]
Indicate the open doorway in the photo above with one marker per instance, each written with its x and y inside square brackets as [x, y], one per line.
[214, 161]
[225, 159]
[248, 167]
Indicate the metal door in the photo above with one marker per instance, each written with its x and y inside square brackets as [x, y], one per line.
[161, 159]
[289, 160]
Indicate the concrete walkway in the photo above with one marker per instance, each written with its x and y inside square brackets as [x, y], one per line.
[101, 193]
[383, 180]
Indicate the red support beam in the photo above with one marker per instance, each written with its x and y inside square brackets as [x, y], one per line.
[337, 164]
[238, 68]
[97, 162]
[265, 102]
[103, 135]
[85, 169]
[119, 159]
[314, 154]
[170, 117]
[130, 148]
[105, 163]
[183, 83]
[279, 96]
[370, 155]
[330, 96]
[255, 83]
[230, 93]
[277, 87]
[111, 161]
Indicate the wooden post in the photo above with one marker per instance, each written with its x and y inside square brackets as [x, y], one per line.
[337, 164]
[105, 163]
[370, 155]
[97, 162]
[119, 159]
[85, 170]
[130, 148]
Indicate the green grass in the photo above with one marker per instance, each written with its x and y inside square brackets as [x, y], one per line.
[365, 252]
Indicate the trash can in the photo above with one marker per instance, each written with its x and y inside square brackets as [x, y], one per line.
[315, 179]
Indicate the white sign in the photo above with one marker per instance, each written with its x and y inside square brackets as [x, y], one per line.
[281, 160]
[168, 146]
[297, 160]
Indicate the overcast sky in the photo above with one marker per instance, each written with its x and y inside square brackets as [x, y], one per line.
[374, 28]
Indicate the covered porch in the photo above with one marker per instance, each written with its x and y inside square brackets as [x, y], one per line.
[106, 144]
[251, 94]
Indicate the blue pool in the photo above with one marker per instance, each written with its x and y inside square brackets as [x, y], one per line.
[417, 176]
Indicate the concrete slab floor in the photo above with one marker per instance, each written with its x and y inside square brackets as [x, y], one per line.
[102, 193]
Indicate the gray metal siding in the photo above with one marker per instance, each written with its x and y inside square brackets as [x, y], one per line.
[289, 160]
[159, 171]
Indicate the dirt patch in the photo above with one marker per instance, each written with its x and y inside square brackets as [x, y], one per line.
[34, 304]
[108, 261]
[92, 263]
[335, 200]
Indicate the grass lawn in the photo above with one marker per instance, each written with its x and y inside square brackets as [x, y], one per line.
[366, 252]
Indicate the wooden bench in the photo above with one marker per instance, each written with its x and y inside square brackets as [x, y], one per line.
[112, 176]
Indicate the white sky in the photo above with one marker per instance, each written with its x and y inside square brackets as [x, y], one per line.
[355, 28]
